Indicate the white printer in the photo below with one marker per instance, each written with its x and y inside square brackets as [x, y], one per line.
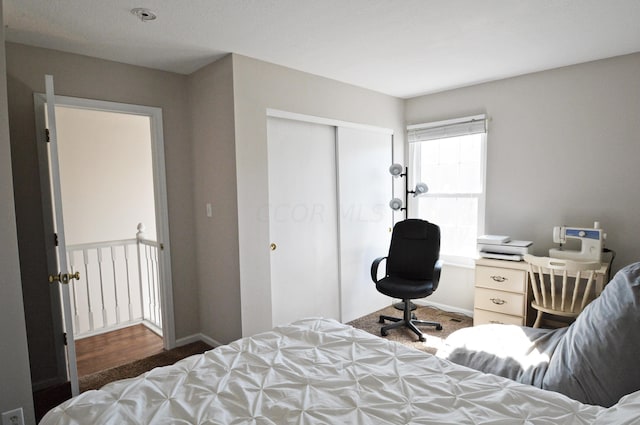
[502, 247]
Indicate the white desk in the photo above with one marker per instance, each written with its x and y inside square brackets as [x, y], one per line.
[503, 293]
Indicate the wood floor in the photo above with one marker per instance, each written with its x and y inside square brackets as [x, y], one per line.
[116, 348]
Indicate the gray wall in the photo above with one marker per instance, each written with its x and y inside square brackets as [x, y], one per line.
[214, 169]
[563, 148]
[15, 380]
[85, 77]
[257, 86]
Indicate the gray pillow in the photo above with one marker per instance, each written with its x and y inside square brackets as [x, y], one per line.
[596, 361]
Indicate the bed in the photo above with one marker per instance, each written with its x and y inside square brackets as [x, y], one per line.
[319, 371]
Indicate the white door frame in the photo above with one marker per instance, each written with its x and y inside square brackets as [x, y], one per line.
[159, 184]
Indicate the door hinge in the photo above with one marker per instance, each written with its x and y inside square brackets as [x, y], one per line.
[55, 239]
[46, 133]
[64, 337]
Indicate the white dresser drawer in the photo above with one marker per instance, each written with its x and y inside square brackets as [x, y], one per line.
[502, 279]
[481, 317]
[499, 301]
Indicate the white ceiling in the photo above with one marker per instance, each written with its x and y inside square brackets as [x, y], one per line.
[400, 47]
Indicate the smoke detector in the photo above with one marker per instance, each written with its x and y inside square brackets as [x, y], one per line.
[145, 15]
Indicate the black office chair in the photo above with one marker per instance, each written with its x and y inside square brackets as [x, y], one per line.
[413, 270]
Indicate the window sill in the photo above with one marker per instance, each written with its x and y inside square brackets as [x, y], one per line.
[457, 261]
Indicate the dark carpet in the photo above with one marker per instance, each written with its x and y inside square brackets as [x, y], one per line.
[450, 323]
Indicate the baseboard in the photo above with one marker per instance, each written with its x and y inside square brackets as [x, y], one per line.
[109, 328]
[444, 307]
[153, 327]
[47, 383]
[197, 337]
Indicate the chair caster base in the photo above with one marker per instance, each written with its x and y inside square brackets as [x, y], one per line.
[411, 325]
[409, 320]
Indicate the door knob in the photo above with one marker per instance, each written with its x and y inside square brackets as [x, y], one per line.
[63, 277]
[273, 246]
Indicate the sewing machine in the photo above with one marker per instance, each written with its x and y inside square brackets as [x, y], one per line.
[592, 243]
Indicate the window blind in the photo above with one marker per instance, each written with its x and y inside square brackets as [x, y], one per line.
[450, 128]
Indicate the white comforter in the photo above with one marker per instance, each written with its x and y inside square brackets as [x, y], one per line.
[318, 371]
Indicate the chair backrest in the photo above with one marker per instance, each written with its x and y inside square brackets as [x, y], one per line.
[551, 281]
[414, 250]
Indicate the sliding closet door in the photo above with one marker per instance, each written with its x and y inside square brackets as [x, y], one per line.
[364, 190]
[302, 220]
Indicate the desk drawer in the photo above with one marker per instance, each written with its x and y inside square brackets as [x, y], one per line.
[500, 301]
[481, 317]
[502, 279]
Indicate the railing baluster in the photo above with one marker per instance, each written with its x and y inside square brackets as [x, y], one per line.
[126, 263]
[156, 299]
[157, 279]
[85, 255]
[115, 284]
[149, 284]
[104, 310]
[152, 304]
[140, 247]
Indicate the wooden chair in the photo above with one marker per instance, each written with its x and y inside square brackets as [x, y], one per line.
[560, 287]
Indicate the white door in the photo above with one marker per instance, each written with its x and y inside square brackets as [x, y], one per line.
[60, 276]
[364, 190]
[302, 220]
[49, 162]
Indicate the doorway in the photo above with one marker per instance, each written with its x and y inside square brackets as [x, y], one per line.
[111, 161]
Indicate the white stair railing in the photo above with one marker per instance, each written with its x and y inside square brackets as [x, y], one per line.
[148, 272]
[114, 290]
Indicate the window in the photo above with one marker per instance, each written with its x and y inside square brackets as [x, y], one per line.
[449, 156]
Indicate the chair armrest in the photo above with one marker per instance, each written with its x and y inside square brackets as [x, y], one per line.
[437, 270]
[374, 268]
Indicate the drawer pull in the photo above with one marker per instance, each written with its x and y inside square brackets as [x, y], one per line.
[497, 301]
[497, 322]
[499, 278]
